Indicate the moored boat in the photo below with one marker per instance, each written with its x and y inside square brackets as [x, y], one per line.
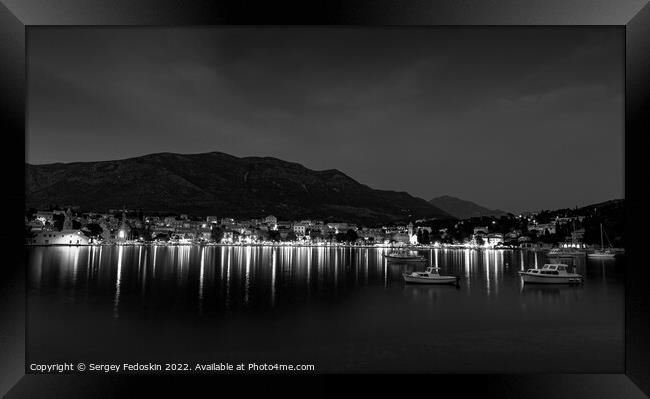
[565, 253]
[402, 255]
[430, 276]
[602, 253]
[552, 273]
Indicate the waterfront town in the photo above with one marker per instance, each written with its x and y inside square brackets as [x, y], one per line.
[576, 228]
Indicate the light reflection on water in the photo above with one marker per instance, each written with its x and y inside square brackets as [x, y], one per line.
[201, 278]
[118, 281]
[327, 303]
[211, 278]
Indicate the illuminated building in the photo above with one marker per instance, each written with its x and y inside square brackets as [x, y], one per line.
[63, 237]
[271, 220]
[493, 239]
[481, 229]
[300, 229]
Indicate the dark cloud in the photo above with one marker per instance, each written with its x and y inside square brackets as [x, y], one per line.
[514, 118]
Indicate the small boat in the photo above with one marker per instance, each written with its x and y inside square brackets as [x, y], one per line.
[551, 273]
[430, 276]
[602, 253]
[565, 253]
[402, 255]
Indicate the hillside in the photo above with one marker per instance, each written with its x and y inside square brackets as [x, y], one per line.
[463, 209]
[222, 185]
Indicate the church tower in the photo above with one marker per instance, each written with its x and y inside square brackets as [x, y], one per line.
[67, 221]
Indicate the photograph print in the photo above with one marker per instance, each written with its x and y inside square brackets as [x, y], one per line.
[258, 199]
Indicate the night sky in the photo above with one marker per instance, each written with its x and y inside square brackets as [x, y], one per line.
[510, 118]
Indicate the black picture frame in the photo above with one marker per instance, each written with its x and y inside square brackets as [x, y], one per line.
[16, 16]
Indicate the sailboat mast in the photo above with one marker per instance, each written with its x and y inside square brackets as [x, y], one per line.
[573, 234]
[602, 245]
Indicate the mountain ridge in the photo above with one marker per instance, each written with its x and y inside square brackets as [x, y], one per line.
[463, 209]
[216, 183]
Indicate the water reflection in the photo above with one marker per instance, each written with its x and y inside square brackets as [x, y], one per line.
[118, 283]
[201, 278]
[274, 269]
[334, 305]
[555, 295]
[144, 273]
[211, 279]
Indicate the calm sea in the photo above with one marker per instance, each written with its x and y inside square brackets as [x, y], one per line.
[341, 309]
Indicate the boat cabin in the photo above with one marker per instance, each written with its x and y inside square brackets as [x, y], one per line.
[403, 252]
[553, 268]
[429, 271]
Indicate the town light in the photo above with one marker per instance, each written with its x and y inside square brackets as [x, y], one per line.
[121, 234]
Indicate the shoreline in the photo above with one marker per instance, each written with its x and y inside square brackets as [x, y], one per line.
[326, 245]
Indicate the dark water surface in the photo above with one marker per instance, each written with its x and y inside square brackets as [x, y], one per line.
[341, 309]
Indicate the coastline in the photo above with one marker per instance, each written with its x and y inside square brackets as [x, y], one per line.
[284, 244]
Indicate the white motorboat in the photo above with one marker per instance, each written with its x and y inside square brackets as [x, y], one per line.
[430, 276]
[403, 255]
[551, 273]
[565, 253]
[602, 253]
